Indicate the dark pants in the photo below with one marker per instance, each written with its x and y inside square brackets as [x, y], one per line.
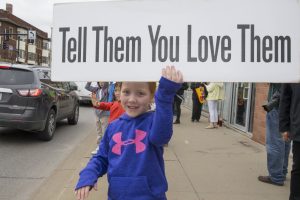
[197, 109]
[177, 104]
[295, 174]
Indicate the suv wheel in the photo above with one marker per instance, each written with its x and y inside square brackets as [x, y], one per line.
[48, 132]
[73, 119]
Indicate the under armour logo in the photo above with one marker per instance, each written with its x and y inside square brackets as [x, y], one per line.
[139, 146]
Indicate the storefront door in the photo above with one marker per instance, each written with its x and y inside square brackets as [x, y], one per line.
[241, 105]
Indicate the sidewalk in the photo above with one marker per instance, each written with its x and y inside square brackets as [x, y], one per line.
[201, 164]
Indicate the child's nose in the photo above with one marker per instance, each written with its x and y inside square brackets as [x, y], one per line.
[132, 98]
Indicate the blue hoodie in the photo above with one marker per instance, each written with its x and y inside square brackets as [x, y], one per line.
[131, 152]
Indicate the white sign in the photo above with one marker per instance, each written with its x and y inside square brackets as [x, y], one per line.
[220, 40]
[31, 35]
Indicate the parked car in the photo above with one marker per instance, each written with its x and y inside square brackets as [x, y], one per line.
[83, 94]
[30, 101]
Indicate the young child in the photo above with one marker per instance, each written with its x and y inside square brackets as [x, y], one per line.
[131, 151]
[101, 94]
[115, 107]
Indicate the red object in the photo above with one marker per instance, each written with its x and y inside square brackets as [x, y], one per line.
[30, 93]
[4, 67]
[115, 108]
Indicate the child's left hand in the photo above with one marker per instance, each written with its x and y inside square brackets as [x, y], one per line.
[172, 74]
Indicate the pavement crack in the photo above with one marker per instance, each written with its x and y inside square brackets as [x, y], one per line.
[24, 178]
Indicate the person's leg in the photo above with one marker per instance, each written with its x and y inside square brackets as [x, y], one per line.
[178, 103]
[287, 149]
[194, 110]
[295, 174]
[198, 111]
[99, 134]
[210, 104]
[275, 148]
[104, 124]
[98, 130]
[215, 113]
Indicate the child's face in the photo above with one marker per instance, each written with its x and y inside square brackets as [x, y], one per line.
[135, 98]
[101, 84]
[117, 94]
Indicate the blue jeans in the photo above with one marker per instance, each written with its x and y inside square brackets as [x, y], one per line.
[277, 150]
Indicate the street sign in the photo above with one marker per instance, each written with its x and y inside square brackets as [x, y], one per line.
[31, 35]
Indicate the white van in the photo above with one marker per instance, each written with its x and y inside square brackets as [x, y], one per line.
[83, 94]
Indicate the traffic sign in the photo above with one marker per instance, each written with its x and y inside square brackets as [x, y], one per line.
[31, 35]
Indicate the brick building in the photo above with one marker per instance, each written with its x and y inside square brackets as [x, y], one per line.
[16, 48]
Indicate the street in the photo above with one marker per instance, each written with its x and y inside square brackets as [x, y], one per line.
[26, 161]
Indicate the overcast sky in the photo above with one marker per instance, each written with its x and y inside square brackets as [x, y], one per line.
[35, 12]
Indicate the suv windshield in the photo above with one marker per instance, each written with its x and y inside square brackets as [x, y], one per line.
[15, 77]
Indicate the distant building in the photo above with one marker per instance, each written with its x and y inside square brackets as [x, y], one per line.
[17, 48]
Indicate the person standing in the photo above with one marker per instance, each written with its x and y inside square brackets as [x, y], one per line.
[215, 93]
[101, 91]
[197, 103]
[178, 99]
[289, 126]
[278, 150]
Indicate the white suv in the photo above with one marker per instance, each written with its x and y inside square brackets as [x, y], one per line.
[83, 94]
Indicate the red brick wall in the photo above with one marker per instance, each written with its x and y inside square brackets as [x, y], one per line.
[259, 118]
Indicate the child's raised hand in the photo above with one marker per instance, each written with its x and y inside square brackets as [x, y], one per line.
[94, 100]
[172, 74]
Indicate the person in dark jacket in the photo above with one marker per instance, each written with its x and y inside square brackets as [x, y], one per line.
[197, 105]
[289, 126]
[278, 150]
[178, 99]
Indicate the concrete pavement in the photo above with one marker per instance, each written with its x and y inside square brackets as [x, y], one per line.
[201, 164]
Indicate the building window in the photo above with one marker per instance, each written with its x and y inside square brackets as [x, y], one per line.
[31, 56]
[22, 37]
[11, 31]
[22, 54]
[6, 37]
[45, 45]
[45, 60]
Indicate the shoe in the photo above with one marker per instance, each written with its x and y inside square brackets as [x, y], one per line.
[210, 127]
[197, 120]
[267, 179]
[176, 122]
[94, 152]
[192, 120]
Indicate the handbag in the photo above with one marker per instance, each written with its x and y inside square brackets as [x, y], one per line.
[200, 94]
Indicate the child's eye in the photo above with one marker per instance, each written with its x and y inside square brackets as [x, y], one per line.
[140, 93]
[125, 92]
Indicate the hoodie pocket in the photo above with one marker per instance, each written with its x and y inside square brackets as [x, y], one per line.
[133, 188]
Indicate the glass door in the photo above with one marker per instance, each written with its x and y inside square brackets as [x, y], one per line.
[241, 105]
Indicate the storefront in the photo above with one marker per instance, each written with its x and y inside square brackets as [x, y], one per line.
[237, 108]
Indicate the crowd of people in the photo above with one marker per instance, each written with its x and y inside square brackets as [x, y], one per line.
[124, 112]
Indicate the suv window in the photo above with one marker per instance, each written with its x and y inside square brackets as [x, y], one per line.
[44, 74]
[15, 77]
